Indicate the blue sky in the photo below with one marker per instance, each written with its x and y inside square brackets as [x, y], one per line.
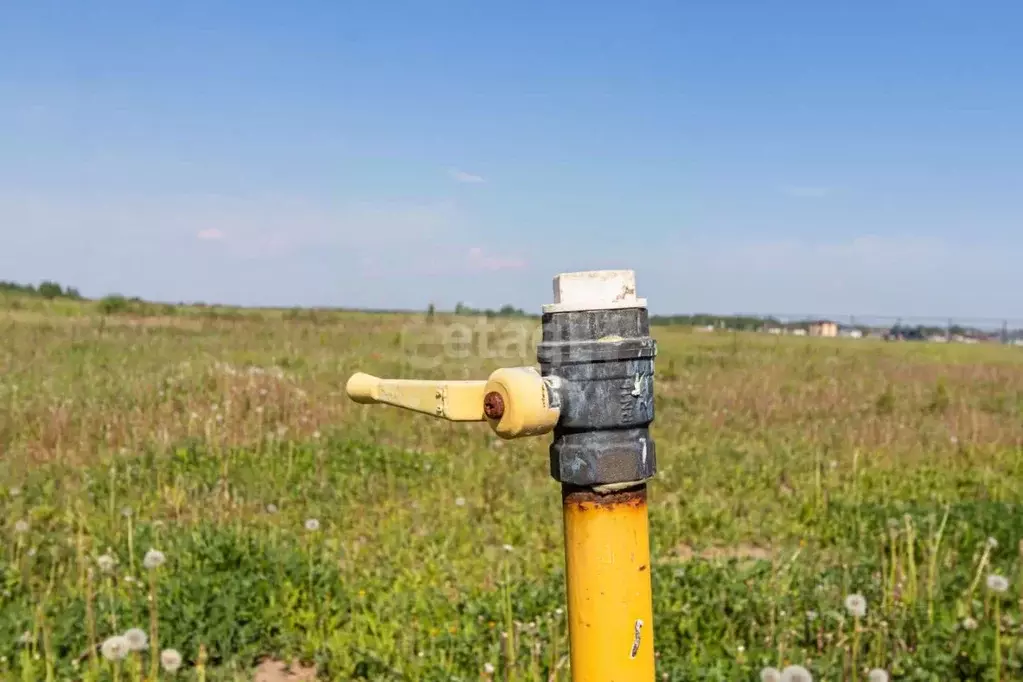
[762, 156]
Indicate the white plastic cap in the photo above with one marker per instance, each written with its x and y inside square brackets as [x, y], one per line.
[594, 290]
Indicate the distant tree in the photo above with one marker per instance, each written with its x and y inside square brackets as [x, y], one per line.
[50, 290]
[113, 304]
[431, 310]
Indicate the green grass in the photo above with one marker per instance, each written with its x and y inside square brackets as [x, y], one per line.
[792, 473]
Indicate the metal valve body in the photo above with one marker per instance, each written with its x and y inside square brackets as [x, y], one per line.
[602, 354]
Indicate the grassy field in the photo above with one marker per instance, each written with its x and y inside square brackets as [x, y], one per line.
[382, 545]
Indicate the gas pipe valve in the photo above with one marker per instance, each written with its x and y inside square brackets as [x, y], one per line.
[594, 389]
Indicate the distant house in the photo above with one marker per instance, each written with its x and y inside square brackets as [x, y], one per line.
[823, 328]
[799, 332]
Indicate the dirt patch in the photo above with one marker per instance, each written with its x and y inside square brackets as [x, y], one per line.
[278, 671]
[741, 551]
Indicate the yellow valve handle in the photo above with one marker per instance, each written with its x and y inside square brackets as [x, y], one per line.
[515, 401]
[457, 401]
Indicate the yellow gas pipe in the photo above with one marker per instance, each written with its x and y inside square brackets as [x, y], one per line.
[607, 545]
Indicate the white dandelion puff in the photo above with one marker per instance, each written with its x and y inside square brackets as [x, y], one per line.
[105, 563]
[170, 659]
[153, 559]
[271, 508]
[877, 675]
[969, 623]
[137, 639]
[508, 548]
[997, 583]
[488, 668]
[992, 543]
[115, 648]
[126, 512]
[459, 501]
[770, 675]
[796, 673]
[21, 526]
[856, 604]
[15, 492]
[312, 525]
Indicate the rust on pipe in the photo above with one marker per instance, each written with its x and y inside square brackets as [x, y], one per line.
[589, 498]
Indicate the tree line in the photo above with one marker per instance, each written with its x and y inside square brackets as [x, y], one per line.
[45, 289]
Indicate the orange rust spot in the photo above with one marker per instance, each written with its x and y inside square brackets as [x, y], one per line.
[585, 499]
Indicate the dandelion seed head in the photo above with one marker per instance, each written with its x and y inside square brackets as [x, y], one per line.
[992, 543]
[770, 675]
[126, 512]
[115, 648]
[15, 492]
[21, 526]
[508, 548]
[105, 563]
[969, 623]
[271, 508]
[137, 639]
[796, 673]
[997, 583]
[856, 605]
[153, 559]
[312, 525]
[170, 660]
[488, 668]
[877, 675]
[460, 501]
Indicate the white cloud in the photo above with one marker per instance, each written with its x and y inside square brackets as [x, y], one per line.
[259, 225]
[806, 192]
[478, 259]
[893, 274]
[467, 178]
[210, 234]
